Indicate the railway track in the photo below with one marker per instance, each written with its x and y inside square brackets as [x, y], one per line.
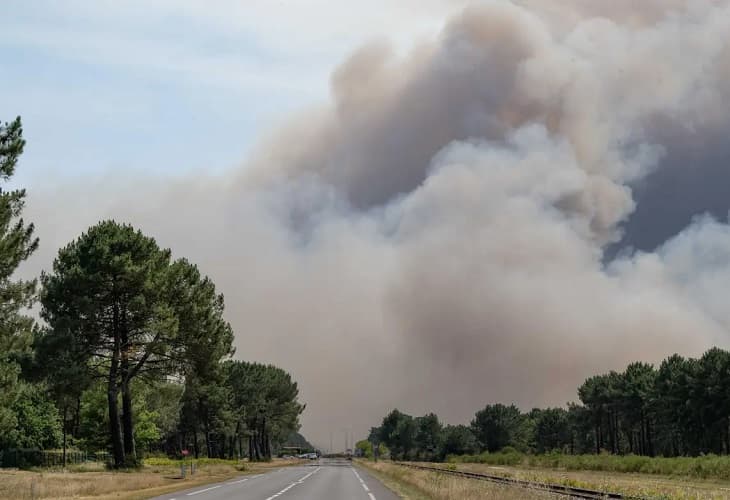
[560, 489]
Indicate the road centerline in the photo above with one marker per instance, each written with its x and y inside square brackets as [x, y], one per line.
[290, 486]
[203, 491]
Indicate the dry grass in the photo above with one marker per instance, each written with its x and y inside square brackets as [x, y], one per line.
[643, 485]
[92, 482]
[416, 484]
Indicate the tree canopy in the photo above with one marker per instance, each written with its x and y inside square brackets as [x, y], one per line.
[17, 243]
[133, 354]
[680, 408]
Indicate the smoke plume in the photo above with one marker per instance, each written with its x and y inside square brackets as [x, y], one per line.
[534, 196]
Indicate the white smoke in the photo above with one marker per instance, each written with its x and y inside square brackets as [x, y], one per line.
[435, 237]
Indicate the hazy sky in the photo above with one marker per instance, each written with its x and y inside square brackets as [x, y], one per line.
[170, 86]
[426, 204]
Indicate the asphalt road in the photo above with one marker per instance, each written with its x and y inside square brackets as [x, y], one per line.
[322, 480]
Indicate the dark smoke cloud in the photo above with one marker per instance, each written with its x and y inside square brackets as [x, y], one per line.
[435, 238]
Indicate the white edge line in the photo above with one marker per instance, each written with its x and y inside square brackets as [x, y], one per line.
[203, 491]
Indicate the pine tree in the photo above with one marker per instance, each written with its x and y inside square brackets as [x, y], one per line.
[17, 243]
[106, 296]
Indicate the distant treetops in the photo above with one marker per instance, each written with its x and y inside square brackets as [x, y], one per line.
[681, 408]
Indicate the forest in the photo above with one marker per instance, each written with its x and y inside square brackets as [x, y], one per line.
[680, 409]
[122, 351]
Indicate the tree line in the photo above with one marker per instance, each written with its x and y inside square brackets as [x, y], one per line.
[681, 408]
[133, 354]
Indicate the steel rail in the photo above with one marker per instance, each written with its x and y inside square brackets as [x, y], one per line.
[570, 491]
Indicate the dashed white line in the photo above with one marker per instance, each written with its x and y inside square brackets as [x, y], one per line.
[372, 497]
[203, 491]
[218, 486]
[300, 481]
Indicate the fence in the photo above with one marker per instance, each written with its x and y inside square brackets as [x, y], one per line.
[29, 457]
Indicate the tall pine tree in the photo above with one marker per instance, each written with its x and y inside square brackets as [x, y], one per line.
[106, 296]
[17, 243]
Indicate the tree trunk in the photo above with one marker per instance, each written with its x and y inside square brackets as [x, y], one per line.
[77, 417]
[63, 425]
[128, 423]
[266, 453]
[207, 435]
[611, 442]
[115, 429]
[235, 439]
[649, 443]
[572, 444]
[127, 417]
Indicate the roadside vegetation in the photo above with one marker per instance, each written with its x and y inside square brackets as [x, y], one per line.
[132, 356]
[703, 467]
[415, 484]
[642, 485]
[673, 420]
[94, 481]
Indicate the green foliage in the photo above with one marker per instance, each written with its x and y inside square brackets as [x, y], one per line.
[162, 401]
[497, 426]
[107, 300]
[364, 448]
[294, 439]
[428, 437]
[457, 440]
[507, 456]
[265, 400]
[680, 409]
[702, 467]
[117, 306]
[131, 354]
[398, 432]
[17, 243]
[93, 432]
[204, 338]
[146, 431]
[37, 420]
[552, 429]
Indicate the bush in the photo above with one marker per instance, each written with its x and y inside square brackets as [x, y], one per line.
[507, 456]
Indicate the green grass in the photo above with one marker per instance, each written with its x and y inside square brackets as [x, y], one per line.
[702, 467]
